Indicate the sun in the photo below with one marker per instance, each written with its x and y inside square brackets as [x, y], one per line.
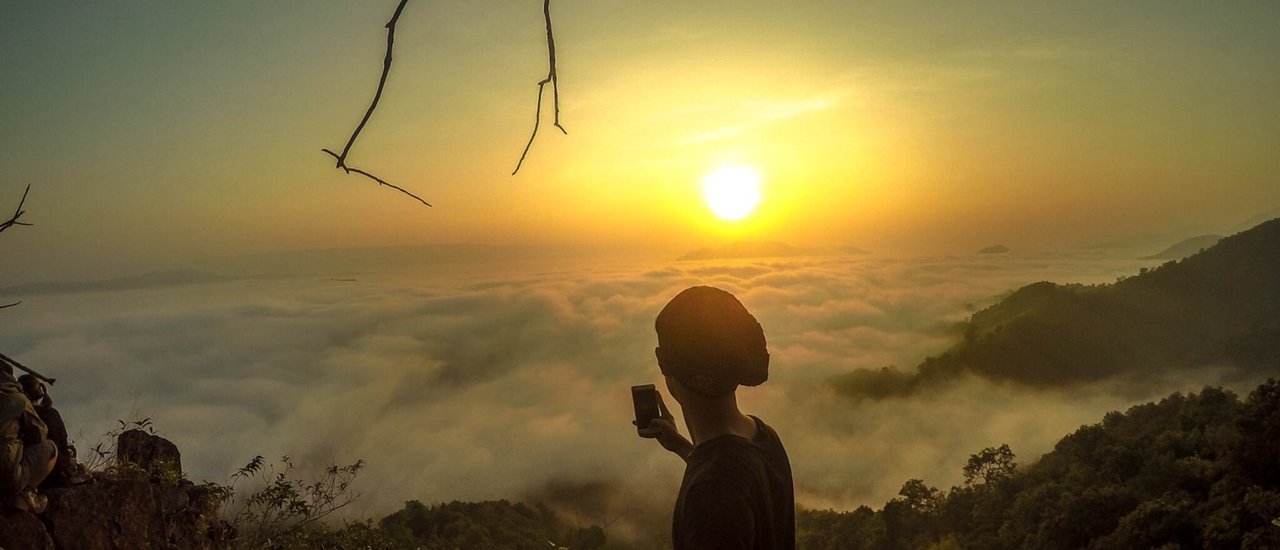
[732, 192]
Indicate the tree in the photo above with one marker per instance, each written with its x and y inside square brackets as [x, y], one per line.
[919, 497]
[990, 466]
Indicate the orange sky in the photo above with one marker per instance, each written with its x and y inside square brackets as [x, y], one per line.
[153, 134]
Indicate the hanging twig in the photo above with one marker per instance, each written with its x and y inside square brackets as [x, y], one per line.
[552, 78]
[377, 95]
[349, 170]
[12, 221]
[555, 88]
[17, 213]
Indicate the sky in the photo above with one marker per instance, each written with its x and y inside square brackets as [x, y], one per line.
[482, 348]
[159, 133]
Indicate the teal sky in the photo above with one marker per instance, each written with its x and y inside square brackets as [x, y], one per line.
[155, 133]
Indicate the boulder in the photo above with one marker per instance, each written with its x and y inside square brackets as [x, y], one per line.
[110, 514]
[152, 453]
[23, 531]
[142, 504]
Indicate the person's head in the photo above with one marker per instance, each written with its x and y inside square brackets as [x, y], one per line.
[709, 344]
[33, 387]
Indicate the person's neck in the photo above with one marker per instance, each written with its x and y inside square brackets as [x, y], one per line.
[714, 417]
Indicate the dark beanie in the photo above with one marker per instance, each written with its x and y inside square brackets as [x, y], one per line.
[710, 342]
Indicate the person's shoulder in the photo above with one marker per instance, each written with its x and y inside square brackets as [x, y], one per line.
[766, 438]
[764, 430]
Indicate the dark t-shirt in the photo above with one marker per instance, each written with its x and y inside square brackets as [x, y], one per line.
[736, 494]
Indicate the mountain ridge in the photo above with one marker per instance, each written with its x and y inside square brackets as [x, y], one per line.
[1217, 307]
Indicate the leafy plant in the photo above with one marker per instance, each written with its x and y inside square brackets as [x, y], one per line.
[284, 511]
[101, 456]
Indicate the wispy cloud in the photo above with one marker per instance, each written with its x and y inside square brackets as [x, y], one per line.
[752, 114]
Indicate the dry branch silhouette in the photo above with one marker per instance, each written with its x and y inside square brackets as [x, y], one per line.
[377, 96]
[551, 78]
[12, 221]
[17, 213]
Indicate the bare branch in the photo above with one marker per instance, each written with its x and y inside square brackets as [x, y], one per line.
[342, 166]
[17, 213]
[15, 364]
[552, 79]
[377, 96]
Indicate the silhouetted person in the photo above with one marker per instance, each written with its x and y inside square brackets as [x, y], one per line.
[737, 491]
[26, 455]
[65, 471]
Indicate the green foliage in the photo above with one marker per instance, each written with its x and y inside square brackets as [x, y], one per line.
[284, 511]
[358, 535]
[101, 457]
[861, 529]
[1192, 471]
[489, 525]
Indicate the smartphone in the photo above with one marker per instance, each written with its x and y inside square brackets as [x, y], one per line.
[645, 399]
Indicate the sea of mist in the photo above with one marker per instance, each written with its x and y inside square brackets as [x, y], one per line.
[507, 375]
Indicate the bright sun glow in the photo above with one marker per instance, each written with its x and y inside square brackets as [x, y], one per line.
[732, 192]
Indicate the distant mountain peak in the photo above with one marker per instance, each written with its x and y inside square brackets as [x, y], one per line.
[1216, 307]
[745, 249]
[1185, 248]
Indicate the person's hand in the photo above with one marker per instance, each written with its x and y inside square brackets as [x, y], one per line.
[665, 431]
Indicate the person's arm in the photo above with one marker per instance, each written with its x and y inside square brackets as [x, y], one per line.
[665, 431]
[718, 516]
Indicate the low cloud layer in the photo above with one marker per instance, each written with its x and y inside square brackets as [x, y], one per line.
[478, 385]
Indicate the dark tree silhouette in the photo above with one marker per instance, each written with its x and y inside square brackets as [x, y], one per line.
[990, 465]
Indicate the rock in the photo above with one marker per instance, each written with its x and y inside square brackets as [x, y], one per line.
[194, 525]
[109, 514]
[23, 531]
[144, 504]
[143, 514]
[152, 453]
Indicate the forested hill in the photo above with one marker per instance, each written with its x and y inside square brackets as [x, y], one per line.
[1218, 308]
[1192, 471]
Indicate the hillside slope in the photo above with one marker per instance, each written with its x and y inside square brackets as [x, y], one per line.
[1219, 308]
[1191, 471]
